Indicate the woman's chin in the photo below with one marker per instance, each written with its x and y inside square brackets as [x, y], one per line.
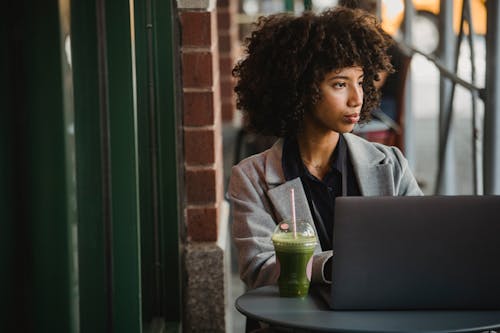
[345, 129]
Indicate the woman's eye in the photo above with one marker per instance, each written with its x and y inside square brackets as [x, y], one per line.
[339, 85]
[360, 83]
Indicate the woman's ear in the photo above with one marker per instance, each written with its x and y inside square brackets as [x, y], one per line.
[380, 79]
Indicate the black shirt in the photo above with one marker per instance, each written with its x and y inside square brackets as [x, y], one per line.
[321, 194]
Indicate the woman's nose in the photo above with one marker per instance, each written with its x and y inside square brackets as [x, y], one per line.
[355, 96]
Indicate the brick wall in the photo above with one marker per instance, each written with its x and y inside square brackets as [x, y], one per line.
[228, 48]
[202, 122]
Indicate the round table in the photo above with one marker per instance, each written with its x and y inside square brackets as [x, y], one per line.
[312, 313]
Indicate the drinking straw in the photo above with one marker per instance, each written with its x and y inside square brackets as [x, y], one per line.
[294, 220]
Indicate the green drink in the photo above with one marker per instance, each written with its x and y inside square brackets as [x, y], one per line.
[294, 252]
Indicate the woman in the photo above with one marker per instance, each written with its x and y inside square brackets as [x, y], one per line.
[309, 80]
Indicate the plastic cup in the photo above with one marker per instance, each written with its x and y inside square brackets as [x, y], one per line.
[294, 255]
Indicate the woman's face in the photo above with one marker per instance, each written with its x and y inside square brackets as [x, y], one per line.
[341, 100]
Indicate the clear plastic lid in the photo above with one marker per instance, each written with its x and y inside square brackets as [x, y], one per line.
[302, 233]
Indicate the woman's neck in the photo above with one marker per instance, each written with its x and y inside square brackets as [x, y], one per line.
[316, 150]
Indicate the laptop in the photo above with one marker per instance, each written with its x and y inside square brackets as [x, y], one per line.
[407, 253]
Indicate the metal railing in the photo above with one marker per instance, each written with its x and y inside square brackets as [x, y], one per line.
[447, 94]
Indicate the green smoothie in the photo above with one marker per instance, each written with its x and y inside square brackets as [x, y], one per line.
[294, 257]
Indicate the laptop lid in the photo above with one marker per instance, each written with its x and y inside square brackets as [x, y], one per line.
[431, 252]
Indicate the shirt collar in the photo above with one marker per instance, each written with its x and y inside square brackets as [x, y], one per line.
[292, 163]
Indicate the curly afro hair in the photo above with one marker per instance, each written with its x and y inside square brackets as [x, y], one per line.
[287, 57]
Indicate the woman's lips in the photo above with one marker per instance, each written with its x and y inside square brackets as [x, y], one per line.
[352, 118]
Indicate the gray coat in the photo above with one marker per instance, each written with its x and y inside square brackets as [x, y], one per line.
[260, 198]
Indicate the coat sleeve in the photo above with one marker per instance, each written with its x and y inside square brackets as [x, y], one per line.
[253, 225]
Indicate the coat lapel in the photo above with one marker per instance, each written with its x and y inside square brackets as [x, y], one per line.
[272, 166]
[372, 173]
[280, 197]
[279, 188]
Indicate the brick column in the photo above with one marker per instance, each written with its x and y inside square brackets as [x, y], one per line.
[202, 122]
[228, 46]
[206, 217]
